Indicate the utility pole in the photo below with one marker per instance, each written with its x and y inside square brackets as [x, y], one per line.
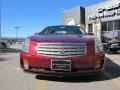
[16, 28]
[0, 30]
[0, 25]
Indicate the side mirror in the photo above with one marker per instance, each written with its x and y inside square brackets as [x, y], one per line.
[90, 33]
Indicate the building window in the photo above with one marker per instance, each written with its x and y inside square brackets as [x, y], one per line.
[110, 30]
[117, 25]
[104, 26]
[90, 28]
[110, 26]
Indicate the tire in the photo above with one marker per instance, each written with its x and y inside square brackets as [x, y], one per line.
[98, 74]
[21, 64]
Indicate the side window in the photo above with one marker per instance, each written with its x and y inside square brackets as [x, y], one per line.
[47, 30]
[117, 25]
[90, 28]
[50, 31]
[110, 25]
[104, 26]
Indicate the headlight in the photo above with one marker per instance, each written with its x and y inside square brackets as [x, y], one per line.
[98, 46]
[25, 47]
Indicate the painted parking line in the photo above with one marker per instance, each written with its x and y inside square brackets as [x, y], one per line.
[40, 85]
[116, 82]
[18, 69]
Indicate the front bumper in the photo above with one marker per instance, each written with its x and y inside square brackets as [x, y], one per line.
[82, 65]
[64, 74]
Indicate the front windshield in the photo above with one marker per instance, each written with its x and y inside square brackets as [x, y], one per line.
[63, 30]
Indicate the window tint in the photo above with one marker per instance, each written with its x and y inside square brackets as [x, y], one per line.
[63, 30]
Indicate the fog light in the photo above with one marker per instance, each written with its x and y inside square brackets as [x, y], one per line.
[98, 64]
[25, 62]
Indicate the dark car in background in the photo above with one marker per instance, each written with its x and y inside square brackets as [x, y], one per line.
[4, 44]
[112, 40]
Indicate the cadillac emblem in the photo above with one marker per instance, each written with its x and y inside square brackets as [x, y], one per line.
[61, 51]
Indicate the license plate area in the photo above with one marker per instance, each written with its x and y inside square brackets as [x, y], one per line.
[61, 65]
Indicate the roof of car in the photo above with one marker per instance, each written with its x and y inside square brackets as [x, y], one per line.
[63, 26]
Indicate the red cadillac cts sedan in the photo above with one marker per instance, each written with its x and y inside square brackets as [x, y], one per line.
[62, 51]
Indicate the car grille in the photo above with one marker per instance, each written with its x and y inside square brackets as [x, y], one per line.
[61, 49]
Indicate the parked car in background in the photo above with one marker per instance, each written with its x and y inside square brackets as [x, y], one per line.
[62, 51]
[20, 42]
[4, 44]
[113, 46]
[111, 40]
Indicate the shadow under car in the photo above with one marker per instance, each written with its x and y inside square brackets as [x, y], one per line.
[111, 68]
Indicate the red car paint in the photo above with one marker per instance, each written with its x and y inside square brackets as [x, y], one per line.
[83, 64]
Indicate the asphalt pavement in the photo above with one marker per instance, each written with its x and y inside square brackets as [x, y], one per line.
[13, 78]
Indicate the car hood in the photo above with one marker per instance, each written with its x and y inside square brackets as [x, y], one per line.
[63, 39]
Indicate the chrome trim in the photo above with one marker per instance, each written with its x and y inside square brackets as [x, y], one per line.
[69, 49]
